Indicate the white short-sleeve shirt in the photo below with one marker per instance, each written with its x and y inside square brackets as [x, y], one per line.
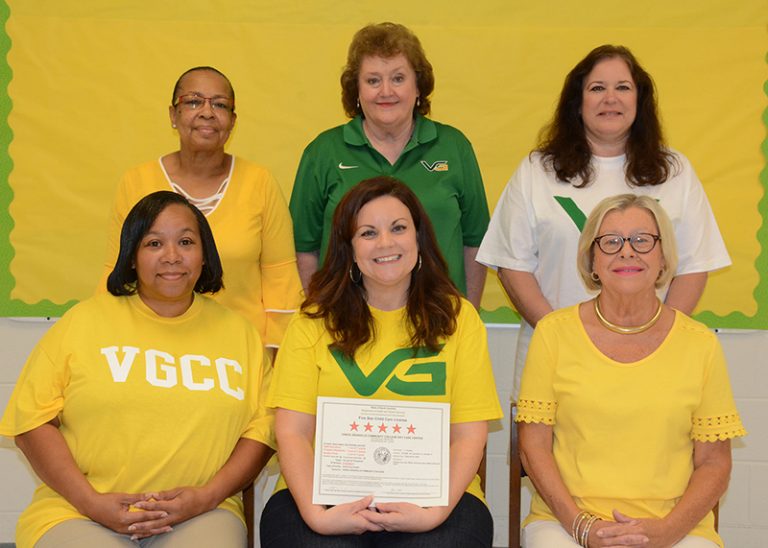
[534, 227]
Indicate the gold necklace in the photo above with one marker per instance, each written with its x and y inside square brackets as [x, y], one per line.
[627, 330]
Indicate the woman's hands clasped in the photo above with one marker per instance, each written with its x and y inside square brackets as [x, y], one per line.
[118, 512]
[148, 514]
[405, 517]
[358, 517]
[628, 531]
[175, 505]
[343, 519]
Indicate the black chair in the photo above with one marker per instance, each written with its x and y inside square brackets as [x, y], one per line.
[248, 509]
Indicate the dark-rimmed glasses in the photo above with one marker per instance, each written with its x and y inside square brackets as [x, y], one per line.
[642, 242]
[196, 102]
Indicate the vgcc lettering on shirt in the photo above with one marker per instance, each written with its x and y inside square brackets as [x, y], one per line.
[162, 369]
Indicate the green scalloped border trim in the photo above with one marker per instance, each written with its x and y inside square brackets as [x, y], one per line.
[46, 308]
[503, 314]
[739, 320]
[6, 165]
[8, 306]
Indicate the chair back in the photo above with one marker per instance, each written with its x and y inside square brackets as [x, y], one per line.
[248, 508]
[515, 475]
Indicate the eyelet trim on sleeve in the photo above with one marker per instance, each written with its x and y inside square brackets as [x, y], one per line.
[718, 428]
[536, 411]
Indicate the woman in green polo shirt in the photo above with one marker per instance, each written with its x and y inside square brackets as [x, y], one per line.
[386, 86]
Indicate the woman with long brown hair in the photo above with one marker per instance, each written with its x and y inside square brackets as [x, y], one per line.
[605, 138]
[383, 289]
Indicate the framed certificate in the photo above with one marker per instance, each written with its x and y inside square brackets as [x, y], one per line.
[397, 451]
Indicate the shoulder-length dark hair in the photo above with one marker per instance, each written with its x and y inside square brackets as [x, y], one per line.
[433, 301]
[563, 142]
[123, 279]
[386, 40]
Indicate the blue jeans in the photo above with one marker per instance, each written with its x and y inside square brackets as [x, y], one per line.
[469, 525]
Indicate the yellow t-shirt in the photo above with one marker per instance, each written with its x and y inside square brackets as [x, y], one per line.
[624, 432]
[254, 237]
[145, 403]
[459, 374]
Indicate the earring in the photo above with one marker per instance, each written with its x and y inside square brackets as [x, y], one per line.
[358, 103]
[173, 126]
[418, 266]
[418, 102]
[352, 275]
[595, 277]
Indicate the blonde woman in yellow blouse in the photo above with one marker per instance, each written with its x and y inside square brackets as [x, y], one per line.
[625, 407]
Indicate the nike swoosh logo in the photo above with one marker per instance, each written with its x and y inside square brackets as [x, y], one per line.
[342, 166]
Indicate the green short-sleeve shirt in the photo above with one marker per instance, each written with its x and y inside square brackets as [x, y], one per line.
[438, 164]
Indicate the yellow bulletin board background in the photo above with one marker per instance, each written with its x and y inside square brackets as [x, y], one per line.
[85, 86]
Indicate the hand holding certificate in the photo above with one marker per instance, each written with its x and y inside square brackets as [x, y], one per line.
[397, 451]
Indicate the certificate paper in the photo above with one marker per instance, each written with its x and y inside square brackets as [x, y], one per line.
[396, 451]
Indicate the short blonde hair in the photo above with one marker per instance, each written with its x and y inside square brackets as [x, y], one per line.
[621, 202]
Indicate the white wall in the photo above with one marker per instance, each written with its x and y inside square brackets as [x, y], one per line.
[743, 511]
[16, 479]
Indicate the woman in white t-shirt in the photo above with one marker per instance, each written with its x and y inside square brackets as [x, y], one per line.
[604, 139]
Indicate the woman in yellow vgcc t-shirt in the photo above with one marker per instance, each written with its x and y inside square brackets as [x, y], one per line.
[141, 410]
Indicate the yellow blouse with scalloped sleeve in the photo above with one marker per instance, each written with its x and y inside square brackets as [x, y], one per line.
[624, 432]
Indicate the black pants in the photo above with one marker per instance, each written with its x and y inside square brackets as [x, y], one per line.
[469, 525]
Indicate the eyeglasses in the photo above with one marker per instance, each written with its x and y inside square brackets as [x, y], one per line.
[642, 242]
[196, 102]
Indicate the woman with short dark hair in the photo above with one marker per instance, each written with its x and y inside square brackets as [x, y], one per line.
[141, 410]
[241, 201]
